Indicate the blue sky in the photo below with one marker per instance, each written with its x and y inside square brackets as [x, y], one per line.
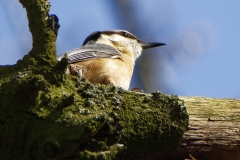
[201, 57]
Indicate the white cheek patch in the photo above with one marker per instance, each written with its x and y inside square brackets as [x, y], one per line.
[137, 51]
[131, 44]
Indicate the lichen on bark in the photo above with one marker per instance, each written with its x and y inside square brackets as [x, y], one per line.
[45, 114]
[78, 119]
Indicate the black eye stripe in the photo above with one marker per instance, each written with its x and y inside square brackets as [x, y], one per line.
[128, 35]
[125, 34]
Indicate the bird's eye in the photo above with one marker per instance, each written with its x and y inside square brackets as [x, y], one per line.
[125, 34]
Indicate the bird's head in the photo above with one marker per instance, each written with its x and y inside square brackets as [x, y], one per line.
[122, 40]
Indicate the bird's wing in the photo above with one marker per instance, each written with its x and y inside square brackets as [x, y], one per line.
[90, 52]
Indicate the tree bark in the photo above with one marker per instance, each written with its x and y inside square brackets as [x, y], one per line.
[213, 131]
[214, 128]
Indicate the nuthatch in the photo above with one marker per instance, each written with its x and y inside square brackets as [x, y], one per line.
[107, 57]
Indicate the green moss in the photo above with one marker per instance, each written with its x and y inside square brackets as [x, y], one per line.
[45, 114]
[93, 118]
[155, 127]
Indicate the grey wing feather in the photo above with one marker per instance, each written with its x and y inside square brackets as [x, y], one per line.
[90, 52]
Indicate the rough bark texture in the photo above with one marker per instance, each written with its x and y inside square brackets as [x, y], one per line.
[213, 131]
[45, 114]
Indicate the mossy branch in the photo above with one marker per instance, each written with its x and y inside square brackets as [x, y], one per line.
[213, 131]
[42, 57]
[45, 114]
[44, 48]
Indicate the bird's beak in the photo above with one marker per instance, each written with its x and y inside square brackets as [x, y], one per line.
[146, 45]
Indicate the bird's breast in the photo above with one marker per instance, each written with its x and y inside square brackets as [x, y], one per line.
[116, 72]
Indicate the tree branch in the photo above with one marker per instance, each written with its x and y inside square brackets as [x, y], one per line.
[44, 48]
[45, 114]
[213, 131]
